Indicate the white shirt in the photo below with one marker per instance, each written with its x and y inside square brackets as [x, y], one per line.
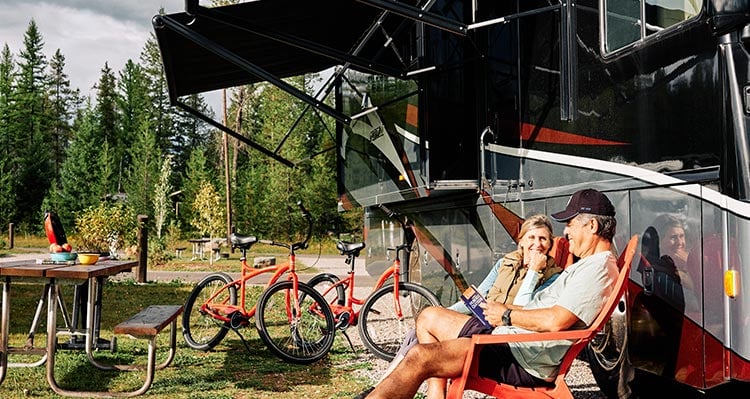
[582, 288]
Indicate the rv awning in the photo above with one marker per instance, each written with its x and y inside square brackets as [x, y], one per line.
[281, 37]
[205, 49]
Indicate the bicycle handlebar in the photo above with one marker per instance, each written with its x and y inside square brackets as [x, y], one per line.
[297, 245]
[405, 223]
[406, 226]
[387, 211]
[302, 209]
[308, 218]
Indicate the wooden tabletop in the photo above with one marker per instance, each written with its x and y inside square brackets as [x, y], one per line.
[79, 272]
[101, 268]
[25, 269]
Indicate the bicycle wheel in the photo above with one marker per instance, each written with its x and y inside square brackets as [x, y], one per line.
[322, 282]
[200, 330]
[301, 338]
[380, 328]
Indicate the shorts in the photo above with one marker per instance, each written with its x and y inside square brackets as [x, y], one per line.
[497, 362]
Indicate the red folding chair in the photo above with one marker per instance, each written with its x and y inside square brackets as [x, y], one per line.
[471, 380]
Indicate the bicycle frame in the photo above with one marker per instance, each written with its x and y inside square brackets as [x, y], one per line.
[394, 270]
[224, 311]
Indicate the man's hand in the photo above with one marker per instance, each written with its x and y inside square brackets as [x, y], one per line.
[493, 312]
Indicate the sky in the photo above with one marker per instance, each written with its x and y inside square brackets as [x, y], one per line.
[87, 32]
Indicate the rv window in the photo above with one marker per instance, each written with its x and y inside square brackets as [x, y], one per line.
[622, 19]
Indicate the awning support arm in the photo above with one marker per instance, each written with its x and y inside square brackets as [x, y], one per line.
[507, 18]
[419, 15]
[166, 21]
[225, 129]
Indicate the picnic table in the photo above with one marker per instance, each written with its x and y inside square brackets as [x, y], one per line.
[52, 275]
[204, 245]
[199, 245]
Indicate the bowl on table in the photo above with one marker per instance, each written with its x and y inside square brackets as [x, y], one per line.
[62, 256]
[88, 258]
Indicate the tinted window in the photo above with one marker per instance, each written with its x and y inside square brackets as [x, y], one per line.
[623, 19]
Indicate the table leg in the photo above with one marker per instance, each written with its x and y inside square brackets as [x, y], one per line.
[4, 324]
[93, 312]
[194, 250]
[52, 337]
[29, 345]
[52, 344]
[90, 321]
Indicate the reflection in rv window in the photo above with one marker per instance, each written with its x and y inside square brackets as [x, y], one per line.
[622, 22]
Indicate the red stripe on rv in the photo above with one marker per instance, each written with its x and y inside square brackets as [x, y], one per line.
[412, 116]
[538, 134]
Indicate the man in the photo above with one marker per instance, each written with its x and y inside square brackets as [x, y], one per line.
[571, 302]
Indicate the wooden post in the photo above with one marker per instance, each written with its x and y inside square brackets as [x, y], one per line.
[11, 236]
[142, 249]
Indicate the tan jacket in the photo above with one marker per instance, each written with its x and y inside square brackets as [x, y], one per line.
[511, 273]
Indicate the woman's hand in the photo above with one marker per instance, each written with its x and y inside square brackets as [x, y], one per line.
[537, 261]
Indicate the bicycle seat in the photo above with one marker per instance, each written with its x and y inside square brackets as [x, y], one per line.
[350, 248]
[242, 242]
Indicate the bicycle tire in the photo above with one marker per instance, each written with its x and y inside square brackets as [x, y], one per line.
[321, 283]
[200, 330]
[380, 329]
[302, 342]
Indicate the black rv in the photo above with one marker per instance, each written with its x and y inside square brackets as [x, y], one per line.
[468, 116]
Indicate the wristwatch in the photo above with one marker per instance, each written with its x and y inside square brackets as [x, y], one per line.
[506, 317]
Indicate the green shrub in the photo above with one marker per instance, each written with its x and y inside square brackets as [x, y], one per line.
[106, 227]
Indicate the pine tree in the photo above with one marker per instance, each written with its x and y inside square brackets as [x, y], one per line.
[189, 131]
[133, 105]
[108, 124]
[197, 171]
[161, 201]
[161, 112]
[7, 194]
[144, 170]
[80, 174]
[30, 122]
[64, 105]
[7, 72]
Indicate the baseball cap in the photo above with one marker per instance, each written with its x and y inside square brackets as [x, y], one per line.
[585, 201]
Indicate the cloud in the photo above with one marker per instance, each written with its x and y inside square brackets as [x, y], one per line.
[88, 33]
[138, 12]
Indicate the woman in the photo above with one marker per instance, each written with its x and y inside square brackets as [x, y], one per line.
[673, 249]
[502, 284]
[672, 239]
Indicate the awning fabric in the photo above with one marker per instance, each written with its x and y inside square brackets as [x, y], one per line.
[331, 24]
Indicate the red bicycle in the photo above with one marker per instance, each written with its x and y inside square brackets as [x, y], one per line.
[290, 330]
[392, 307]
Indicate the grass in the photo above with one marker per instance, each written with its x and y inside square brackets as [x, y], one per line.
[229, 371]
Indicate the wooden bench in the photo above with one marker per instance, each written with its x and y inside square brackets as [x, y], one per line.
[178, 252]
[146, 324]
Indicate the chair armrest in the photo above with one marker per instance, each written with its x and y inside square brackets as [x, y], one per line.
[485, 339]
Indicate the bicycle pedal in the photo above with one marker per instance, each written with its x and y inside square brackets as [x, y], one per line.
[342, 321]
[237, 320]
